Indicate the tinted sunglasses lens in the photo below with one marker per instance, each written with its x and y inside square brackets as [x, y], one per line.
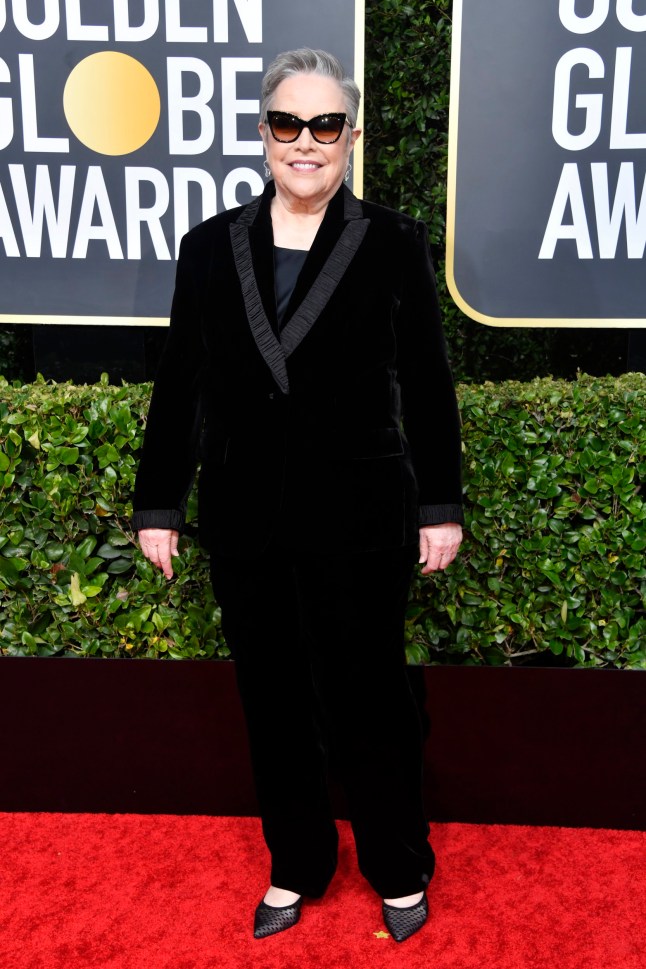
[327, 128]
[284, 127]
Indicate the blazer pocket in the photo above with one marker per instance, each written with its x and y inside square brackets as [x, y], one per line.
[364, 444]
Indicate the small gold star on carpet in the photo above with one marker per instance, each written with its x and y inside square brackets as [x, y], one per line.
[381, 935]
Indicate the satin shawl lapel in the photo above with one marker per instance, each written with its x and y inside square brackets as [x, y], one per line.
[337, 240]
[253, 252]
[339, 236]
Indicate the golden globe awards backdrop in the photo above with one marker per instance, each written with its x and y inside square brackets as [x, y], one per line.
[547, 193]
[122, 124]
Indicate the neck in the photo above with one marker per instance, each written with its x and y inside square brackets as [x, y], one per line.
[295, 225]
[290, 206]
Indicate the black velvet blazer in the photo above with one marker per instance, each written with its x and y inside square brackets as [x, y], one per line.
[342, 433]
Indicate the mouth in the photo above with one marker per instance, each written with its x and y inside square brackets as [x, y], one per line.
[302, 166]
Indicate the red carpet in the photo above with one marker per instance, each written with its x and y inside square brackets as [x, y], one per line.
[141, 892]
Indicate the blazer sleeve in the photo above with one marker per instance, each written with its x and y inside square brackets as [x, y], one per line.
[430, 411]
[169, 454]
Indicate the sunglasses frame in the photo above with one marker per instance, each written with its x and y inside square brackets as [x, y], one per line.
[340, 115]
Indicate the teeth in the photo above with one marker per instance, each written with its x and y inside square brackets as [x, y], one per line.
[305, 165]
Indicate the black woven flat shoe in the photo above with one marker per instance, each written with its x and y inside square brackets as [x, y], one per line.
[404, 922]
[270, 919]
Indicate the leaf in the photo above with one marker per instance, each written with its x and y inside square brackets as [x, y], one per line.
[107, 551]
[28, 640]
[117, 538]
[10, 567]
[76, 596]
[68, 455]
[119, 566]
[54, 551]
[86, 547]
[106, 455]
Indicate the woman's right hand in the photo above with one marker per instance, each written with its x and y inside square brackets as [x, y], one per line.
[159, 545]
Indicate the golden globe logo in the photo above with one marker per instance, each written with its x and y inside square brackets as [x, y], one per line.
[112, 103]
[175, 95]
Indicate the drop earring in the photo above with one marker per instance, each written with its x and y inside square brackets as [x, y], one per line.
[347, 172]
[267, 169]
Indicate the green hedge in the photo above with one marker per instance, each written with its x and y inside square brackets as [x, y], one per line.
[553, 562]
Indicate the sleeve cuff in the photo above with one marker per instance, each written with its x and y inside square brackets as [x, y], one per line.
[439, 514]
[158, 518]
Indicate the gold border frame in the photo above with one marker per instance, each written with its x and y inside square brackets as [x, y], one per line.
[359, 75]
[500, 321]
[87, 320]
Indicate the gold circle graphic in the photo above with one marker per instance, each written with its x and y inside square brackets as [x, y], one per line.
[111, 103]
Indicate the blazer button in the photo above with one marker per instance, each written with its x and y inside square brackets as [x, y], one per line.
[271, 396]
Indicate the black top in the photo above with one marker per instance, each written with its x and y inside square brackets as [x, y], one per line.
[287, 265]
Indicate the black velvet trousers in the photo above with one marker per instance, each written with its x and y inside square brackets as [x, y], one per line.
[319, 650]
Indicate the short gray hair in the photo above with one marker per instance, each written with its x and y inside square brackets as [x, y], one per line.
[308, 61]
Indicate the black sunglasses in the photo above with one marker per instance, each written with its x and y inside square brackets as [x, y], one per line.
[324, 128]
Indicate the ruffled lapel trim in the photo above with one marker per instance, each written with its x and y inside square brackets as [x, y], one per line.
[273, 349]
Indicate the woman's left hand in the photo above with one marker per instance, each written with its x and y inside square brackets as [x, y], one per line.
[438, 545]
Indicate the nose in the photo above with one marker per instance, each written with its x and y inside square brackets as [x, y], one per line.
[305, 139]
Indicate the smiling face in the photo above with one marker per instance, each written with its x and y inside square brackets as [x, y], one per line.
[306, 173]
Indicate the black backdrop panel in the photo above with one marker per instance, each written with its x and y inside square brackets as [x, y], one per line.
[521, 746]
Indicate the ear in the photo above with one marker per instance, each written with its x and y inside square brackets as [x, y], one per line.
[355, 135]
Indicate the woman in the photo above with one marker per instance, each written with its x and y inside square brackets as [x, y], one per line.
[304, 325]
